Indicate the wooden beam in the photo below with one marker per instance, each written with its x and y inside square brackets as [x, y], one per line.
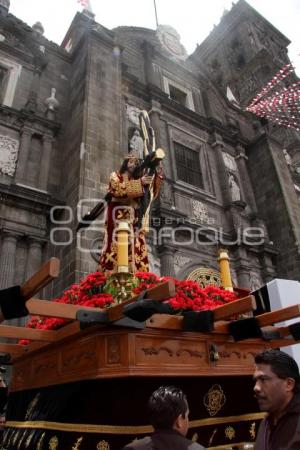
[13, 349]
[169, 322]
[240, 306]
[160, 292]
[165, 321]
[13, 332]
[40, 279]
[280, 315]
[56, 309]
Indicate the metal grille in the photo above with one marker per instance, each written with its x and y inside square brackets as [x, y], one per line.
[188, 165]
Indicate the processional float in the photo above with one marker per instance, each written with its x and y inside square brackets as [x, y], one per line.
[85, 385]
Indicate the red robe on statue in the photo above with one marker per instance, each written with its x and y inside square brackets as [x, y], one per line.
[124, 205]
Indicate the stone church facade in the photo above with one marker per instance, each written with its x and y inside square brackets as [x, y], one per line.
[68, 115]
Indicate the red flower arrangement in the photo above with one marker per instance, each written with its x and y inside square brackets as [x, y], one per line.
[190, 296]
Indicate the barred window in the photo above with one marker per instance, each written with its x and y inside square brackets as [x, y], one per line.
[188, 165]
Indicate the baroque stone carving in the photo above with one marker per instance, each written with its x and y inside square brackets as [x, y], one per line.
[170, 41]
[181, 261]
[132, 113]
[255, 281]
[200, 212]
[229, 161]
[9, 148]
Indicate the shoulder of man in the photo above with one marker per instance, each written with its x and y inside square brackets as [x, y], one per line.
[195, 446]
[140, 444]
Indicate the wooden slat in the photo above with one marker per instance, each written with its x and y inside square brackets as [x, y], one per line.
[280, 315]
[55, 309]
[277, 343]
[165, 321]
[26, 333]
[240, 306]
[13, 349]
[160, 292]
[40, 279]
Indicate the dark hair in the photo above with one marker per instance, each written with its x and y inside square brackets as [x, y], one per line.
[165, 405]
[124, 166]
[282, 364]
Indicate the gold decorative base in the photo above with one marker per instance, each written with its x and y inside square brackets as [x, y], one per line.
[121, 285]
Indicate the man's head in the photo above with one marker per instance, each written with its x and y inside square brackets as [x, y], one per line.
[168, 409]
[276, 379]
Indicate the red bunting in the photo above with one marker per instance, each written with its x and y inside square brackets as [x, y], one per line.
[281, 106]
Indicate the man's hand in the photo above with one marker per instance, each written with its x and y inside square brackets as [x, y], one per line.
[146, 180]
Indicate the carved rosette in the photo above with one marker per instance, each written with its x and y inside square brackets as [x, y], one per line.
[9, 149]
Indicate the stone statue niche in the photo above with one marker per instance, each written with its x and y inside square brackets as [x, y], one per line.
[136, 142]
[234, 188]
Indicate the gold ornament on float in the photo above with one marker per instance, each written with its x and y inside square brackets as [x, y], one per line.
[230, 432]
[53, 443]
[77, 444]
[103, 445]
[252, 430]
[214, 399]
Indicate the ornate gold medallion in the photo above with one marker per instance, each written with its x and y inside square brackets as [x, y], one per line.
[205, 276]
[214, 399]
[230, 432]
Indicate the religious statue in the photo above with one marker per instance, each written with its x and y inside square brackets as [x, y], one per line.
[287, 157]
[130, 193]
[234, 189]
[136, 144]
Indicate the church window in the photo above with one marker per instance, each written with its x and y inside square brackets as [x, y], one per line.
[188, 165]
[9, 75]
[3, 82]
[179, 93]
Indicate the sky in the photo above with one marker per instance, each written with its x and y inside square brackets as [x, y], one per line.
[193, 19]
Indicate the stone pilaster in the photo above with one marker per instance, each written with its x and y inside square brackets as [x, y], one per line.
[241, 160]
[218, 146]
[148, 50]
[23, 154]
[46, 159]
[34, 256]
[167, 262]
[155, 115]
[7, 258]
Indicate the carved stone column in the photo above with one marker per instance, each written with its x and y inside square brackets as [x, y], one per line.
[268, 270]
[7, 258]
[23, 154]
[155, 116]
[34, 256]
[241, 159]
[167, 262]
[148, 51]
[45, 162]
[243, 273]
[218, 146]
